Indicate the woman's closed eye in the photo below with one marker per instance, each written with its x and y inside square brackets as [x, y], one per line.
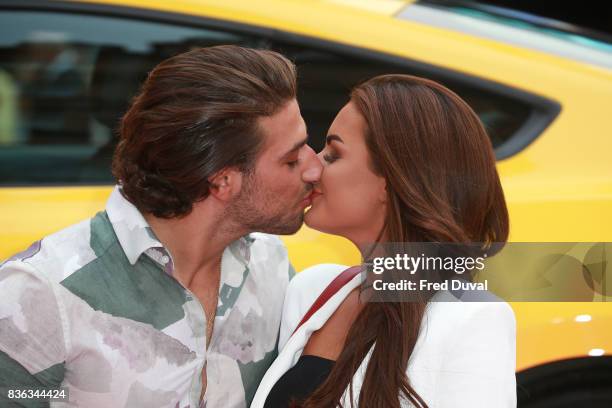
[330, 157]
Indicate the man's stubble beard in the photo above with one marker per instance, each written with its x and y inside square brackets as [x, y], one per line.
[251, 211]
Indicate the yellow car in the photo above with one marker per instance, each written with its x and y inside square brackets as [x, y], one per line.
[68, 70]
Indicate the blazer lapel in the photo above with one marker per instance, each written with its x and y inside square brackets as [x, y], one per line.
[292, 351]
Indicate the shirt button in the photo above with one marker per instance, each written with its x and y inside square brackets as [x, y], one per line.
[165, 259]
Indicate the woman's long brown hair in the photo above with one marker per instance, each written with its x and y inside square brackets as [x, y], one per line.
[442, 186]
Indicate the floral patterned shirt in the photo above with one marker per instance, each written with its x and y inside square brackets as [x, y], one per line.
[95, 309]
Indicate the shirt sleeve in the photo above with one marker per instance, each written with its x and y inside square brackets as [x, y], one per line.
[479, 364]
[32, 342]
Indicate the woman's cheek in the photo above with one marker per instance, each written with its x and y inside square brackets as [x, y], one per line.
[322, 214]
[328, 211]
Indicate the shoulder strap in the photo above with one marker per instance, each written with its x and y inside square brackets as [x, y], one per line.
[339, 281]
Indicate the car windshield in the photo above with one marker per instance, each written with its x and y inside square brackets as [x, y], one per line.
[512, 27]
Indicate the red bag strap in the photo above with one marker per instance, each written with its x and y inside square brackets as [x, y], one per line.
[345, 277]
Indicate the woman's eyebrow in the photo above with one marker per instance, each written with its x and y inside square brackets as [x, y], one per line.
[331, 138]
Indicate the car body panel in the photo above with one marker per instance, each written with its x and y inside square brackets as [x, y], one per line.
[559, 188]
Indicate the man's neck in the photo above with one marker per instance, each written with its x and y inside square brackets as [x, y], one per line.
[196, 241]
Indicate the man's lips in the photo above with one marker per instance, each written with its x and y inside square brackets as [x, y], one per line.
[309, 197]
[314, 194]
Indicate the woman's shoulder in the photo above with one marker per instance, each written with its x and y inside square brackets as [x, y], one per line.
[446, 308]
[476, 329]
[316, 277]
[304, 288]
[443, 317]
[307, 285]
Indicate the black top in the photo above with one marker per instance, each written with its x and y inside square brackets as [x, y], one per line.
[300, 381]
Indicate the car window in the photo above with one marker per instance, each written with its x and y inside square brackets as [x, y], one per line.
[505, 26]
[66, 79]
[325, 79]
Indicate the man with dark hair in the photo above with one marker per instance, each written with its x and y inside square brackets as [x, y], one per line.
[169, 298]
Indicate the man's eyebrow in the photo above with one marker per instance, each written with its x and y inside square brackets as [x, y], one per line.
[331, 138]
[295, 147]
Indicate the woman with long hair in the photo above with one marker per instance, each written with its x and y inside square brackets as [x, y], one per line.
[406, 160]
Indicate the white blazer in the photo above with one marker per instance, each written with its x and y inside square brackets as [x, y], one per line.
[464, 356]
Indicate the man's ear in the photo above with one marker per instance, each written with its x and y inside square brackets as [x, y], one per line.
[225, 184]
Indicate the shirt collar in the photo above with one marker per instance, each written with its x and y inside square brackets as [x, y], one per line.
[136, 236]
[133, 232]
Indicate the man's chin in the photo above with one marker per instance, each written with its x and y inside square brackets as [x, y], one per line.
[288, 227]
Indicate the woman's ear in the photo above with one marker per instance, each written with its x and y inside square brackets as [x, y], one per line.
[225, 184]
[382, 190]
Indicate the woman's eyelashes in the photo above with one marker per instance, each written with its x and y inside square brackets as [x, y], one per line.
[330, 157]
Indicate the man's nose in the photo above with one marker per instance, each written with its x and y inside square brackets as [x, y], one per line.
[312, 167]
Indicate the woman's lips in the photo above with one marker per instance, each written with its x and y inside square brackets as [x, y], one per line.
[310, 197]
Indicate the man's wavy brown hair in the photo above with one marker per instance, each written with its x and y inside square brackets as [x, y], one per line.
[196, 114]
